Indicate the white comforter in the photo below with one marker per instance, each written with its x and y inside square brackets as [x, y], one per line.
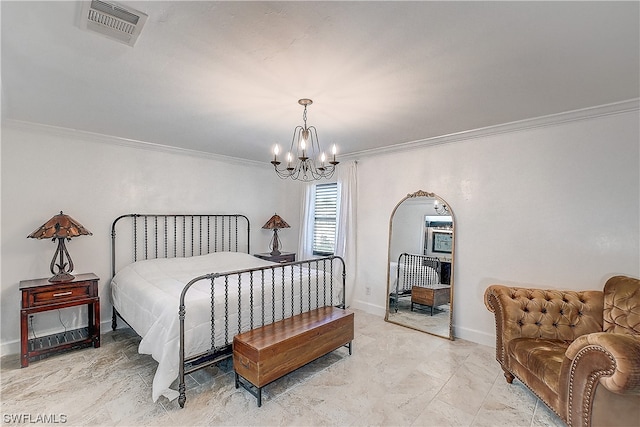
[147, 294]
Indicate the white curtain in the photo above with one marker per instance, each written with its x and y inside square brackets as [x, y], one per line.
[307, 215]
[345, 244]
[346, 224]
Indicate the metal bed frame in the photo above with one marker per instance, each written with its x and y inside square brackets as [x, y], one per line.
[413, 275]
[184, 235]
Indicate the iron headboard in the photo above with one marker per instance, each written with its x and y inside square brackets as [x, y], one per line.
[179, 235]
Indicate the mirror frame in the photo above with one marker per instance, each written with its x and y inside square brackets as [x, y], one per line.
[421, 193]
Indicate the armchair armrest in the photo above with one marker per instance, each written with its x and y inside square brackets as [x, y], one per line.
[539, 313]
[621, 372]
[608, 359]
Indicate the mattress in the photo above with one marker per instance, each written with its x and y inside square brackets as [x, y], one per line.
[147, 294]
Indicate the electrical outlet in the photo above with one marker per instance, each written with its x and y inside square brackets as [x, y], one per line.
[367, 290]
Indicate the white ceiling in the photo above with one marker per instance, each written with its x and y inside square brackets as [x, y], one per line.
[225, 77]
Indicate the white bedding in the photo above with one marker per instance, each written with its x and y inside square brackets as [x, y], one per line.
[147, 294]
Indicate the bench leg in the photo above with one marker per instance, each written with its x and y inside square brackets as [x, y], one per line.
[255, 391]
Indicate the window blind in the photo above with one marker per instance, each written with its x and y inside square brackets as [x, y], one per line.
[324, 224]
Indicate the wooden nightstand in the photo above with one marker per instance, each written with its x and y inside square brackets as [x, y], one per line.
[40, 295]
[283, 257]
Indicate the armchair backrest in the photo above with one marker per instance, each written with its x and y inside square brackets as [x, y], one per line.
[544, 313]
[622, 305]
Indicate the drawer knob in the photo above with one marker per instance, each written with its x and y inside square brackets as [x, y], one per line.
[61, 294]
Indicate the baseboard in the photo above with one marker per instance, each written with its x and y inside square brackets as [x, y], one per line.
[473, 335]
[367, 307]
[11, 347]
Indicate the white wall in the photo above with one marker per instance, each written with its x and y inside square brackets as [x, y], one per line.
[95, 179]
[554, 206]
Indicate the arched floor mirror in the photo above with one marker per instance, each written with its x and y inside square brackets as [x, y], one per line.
[420, 264]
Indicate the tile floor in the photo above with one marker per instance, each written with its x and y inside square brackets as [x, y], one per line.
[395, 377]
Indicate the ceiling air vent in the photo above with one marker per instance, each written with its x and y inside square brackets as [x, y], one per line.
[113, 20]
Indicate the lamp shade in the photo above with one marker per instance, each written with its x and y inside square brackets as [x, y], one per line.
[275, 222]
[60, 226]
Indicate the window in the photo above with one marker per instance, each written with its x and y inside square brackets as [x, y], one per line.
[324, 222]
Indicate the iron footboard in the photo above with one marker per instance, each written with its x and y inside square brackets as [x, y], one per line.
[256, 297]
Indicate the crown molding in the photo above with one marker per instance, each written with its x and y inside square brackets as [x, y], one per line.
[125, 142]
[520, 125]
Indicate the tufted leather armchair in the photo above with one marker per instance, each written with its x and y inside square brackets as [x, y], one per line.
[578, 351]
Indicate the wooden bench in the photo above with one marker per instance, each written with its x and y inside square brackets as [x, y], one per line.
[265, 354]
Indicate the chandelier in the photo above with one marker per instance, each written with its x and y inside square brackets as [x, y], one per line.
[305, 161]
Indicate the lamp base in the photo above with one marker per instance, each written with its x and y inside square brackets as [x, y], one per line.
[275, 243]
[62, 276]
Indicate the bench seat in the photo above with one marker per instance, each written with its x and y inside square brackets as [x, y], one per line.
[265, 354]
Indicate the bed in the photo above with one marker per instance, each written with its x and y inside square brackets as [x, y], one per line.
[187, 285]
[411, 271]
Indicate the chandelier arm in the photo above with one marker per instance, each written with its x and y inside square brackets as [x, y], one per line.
[296, 132]
[315, 142]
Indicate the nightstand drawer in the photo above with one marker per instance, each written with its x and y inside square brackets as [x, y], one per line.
[60, 294]
[40, 292]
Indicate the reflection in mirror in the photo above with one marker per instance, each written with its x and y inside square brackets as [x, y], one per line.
[420, 267]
